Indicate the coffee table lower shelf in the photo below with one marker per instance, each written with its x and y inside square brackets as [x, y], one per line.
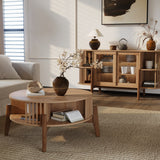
[51, 123]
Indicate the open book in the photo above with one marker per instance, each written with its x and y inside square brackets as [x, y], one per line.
[74, 116]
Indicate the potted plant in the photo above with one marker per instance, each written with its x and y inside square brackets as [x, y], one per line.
[149, 34]
[65, 62]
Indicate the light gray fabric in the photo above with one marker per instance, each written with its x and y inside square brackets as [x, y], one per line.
[27, 70]
[8, 86]
[6, 69]
[3, 103]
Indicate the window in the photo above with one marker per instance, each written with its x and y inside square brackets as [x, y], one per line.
[13, 20]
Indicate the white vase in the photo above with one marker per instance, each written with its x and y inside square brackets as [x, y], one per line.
[149, 64]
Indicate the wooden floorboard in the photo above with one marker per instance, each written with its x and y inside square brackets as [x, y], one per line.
[127, 100]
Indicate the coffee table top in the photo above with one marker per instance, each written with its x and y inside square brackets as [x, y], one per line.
[72, 95]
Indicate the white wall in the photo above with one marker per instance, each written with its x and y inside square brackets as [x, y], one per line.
[50, 27]
[89, 17]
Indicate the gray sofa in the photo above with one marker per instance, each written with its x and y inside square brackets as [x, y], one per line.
[28, 71]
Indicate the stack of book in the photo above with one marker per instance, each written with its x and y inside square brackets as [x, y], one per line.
[149, 84]
[59, 116]
[71, 116]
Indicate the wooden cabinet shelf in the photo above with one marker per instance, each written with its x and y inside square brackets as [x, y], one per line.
[127, 85]
[113, 63]
[85, 83]
[107, 63]
[127, 64]
[107, 74]
[83, 67]
[128, 74]
[150, 70]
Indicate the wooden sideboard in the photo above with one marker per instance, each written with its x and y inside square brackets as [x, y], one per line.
[121, 69]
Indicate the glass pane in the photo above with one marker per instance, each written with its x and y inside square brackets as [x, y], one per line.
[127, 68]
[106, 73]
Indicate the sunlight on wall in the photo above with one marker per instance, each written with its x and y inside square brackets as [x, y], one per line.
[63, 25]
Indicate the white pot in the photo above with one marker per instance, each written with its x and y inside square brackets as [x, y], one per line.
[149, 64]
[133, 70]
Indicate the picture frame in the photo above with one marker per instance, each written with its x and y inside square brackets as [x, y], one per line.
[115, 12]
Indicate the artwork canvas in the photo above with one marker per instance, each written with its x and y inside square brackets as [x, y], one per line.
[124, 11]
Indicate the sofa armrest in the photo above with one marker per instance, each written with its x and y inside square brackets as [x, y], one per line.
[27, 70]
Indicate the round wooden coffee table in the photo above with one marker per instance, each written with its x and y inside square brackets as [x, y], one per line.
[36, 110]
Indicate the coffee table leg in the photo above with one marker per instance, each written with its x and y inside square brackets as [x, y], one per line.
[95, 121]
[44, 132]
[8, 121]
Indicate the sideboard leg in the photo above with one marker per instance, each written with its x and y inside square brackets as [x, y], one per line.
[7, 121]
[144, 93]
[95, 121]
[138, 93]
[44, 132]
[99, 90]
[92, 79]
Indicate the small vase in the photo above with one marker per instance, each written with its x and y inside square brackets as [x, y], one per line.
[94, 44]
[60, 85]
[151, 44]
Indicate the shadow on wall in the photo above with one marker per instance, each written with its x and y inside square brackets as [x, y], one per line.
[49, 28]
[50, 32]
[60, 30]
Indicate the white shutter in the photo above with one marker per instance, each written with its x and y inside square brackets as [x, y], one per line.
[13, 18]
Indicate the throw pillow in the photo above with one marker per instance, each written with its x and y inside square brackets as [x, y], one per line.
[6, 69]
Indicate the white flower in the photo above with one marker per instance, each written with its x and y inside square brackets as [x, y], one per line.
[67, 61]
[97, 64]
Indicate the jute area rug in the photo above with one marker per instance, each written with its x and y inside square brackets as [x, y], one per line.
[126, 134]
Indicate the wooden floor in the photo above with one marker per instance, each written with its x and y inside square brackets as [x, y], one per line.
[126, 100]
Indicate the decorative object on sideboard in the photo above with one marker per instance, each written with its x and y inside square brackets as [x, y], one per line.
[122, 79]
[124, 69]
[34, 86]
[133, 69]
[150, 35]
[149, 64]
[95, 43]
[65, 62]
[130, 58]
[113, 45]
[151, 44]
[123, 44]
[107, 58]
[107, 69]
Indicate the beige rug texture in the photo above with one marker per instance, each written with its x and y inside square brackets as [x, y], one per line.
[126, 134]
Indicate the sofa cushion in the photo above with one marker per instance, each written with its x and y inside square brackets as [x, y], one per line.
[6, 69]
[8, 86]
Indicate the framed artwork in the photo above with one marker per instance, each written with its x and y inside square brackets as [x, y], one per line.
[124, 12]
